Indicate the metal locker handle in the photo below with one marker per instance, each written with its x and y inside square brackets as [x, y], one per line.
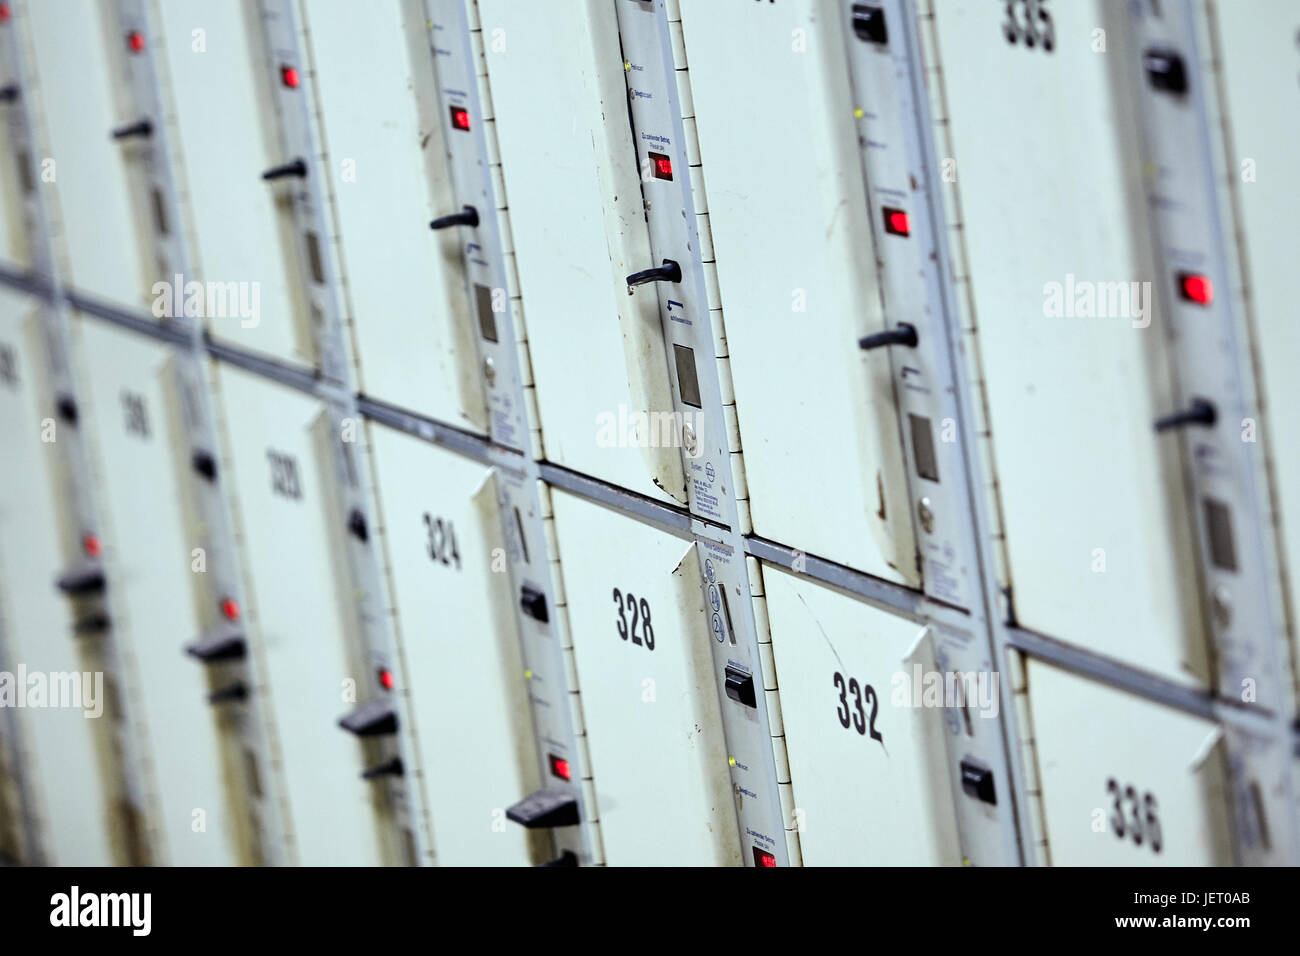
[1200, 412]
[467, 217]
[142, 128]
[296, 168]
[670, 271]
[903, 334]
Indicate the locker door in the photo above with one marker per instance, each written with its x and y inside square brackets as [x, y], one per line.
[867, 763]
[1259, 65]
[576, 215]
[89, 171]
[456, 617]
[144, 461]
[1124, 781]
[64, 773]
[244, 251]
[388, 168]
[788, 212]
[282, 474]
[649, 692]
[1054, 230]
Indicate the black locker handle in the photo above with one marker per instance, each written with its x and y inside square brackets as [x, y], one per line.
[904, 334]
[142, 128]
[670, 271]
[1200, 412]
[466, 217]
[296, 168]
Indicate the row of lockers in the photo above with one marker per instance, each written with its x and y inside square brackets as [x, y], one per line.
[1073, 312]
[1095, 518]
[865, 755]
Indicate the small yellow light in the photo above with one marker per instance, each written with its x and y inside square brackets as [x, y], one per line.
[627, 64]
[965, 861]
[528, 675]
[858, 112]
[731, 761]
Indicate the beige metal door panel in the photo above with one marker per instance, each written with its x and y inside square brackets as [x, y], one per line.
[1073, 353]
[388, 172]
[456, 617]
[579, 230]
[788, 212]
[649, 693]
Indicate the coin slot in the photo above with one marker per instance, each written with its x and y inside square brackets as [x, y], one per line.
[927, 463]
[487, 322]
[688, 383]
[1218, 523]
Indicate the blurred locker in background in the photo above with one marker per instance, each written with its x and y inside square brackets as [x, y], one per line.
[1124, 781]
[92, 161]
[1259, 63]
[215, 68]
[133, 409]
[1056, 261]
[388, 174]
[67, 761]
[301, 621]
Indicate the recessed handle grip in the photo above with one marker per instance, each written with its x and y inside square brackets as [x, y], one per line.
[466, 217]
[391, 767]
[670, 271]
[903, 334]
[233, 692]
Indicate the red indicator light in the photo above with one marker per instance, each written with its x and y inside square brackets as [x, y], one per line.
[896, 223]
[289, 76]
[661, 165]
[1195, 288]
[135, 40]
[230, 608]
[90, 543]
[560, 768]
[459, 118]
[4, 12]
[763, 858]
[386, 678]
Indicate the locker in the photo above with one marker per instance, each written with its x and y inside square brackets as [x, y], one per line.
[797, 284]
[1058, 263]
[578, 227]
[388, 172]
[135, 412]
[460, 643]
[60, 742]
[1124, 781]
[90, 173]
[282, 471]
[649, 691]
[244, 250]
[1258, 68]
[867, 762]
